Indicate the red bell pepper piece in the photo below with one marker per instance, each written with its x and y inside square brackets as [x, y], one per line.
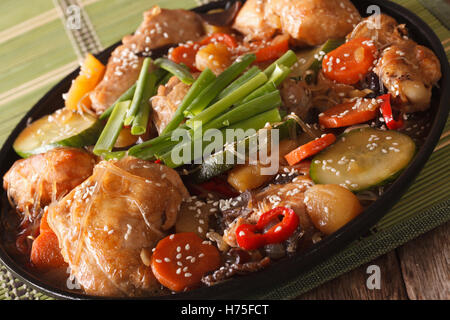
[386, 111]
[248, 238]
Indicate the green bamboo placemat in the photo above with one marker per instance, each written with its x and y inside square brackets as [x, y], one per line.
[37, 51]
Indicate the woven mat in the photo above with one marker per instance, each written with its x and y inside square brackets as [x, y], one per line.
[37, 50]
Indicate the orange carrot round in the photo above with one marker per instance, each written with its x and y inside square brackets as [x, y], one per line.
[309, 149]
[45, 252]
[347, 114]
[182, 259]
[184, 54]
[44, 227]
[273, 51]
[350, 62]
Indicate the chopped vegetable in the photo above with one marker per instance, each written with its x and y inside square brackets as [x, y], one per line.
[195, 256]
[257, 122]
[215, 56]
[268, 87]
[350, 62]
[161, 76]
[141, 86]
[245, 111]
[62, 128]
[248, 239]
[247, 177]
[177, 70]
[288, 60]
[140, 121]
[226, 102]
[185, 54]
[274, 50]
[125, 138]
[214, 166]
[279, 74]
[44, 226]
[386, 111]
[310, 149]
[45, 252]
[252, 72]
[91, 74]
[363, 158]
[331, 206]
[349, 113]
[112, 129]
[205, 78]
[213, 90]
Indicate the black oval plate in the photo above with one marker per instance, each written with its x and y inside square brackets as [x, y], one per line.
[281, 272]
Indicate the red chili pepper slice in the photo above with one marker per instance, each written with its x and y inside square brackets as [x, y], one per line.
[282, 230]
[386, 111]
[248, 238]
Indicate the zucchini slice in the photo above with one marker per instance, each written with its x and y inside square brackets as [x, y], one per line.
[363, 158]
[310, 60]
[62, 128]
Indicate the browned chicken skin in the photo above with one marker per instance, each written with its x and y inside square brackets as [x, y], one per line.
[251, 21]
[160, 27]
[34, 182]
[407, 69]
[308, 22]
[107, 226]
[382, 29]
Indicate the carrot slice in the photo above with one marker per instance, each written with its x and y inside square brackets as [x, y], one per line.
[349, 113]
[45, 252]
[309, 149]
[91, 74]
[273, 51]
[44, 227]
[182, 259]
[185, 54]
[224, 38]
[350, 62]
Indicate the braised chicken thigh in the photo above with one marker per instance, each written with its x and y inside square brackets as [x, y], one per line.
[34, 182]
[109, 224]
[160, 27]
[407, 69]
[308, 22]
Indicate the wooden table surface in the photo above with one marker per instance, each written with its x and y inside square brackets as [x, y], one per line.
[419, 270]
